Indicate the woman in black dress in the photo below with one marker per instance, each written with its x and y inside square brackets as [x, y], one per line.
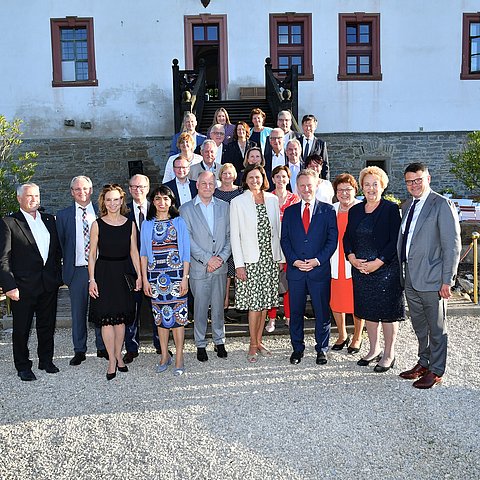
[370, 244]
[113, 249]
[236, 149]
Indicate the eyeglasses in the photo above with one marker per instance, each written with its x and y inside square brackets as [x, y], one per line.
[276, 138]
[182, 167]
[138, 187]
[415, 181]
[344, 190]
[218, 133]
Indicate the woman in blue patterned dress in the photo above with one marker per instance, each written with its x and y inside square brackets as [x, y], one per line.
[165, 259]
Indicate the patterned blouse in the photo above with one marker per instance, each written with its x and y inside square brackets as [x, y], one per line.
[292, 198]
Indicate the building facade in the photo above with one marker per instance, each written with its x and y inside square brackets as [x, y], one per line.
[390, 82]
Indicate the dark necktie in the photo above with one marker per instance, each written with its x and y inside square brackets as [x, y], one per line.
[306, 217]
[407, 229]
[306, 151]
[141, 217]
[86, 232]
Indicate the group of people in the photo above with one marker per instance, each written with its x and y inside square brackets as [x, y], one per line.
[189, 239]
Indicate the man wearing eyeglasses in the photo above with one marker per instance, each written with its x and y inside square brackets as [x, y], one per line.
[429, 247]
[275, 155]
[73, 226]
[139, 186]
[217, 134]
[182, 187]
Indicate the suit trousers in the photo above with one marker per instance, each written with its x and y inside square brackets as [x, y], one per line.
[44, 305]
[428, 312]
[320, 296]
[78, 290]
[209, 292]
[143, 313]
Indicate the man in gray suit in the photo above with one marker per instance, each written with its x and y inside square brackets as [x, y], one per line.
[208, 224]
[429, 248]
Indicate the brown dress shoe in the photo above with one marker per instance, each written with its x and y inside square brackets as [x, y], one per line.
[416, 372]
[427, 381]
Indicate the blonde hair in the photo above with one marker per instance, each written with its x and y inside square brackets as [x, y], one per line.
[224, 167]
[377, 172]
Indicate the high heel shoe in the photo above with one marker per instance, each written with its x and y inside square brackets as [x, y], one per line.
[111, 376]
[123, 369]
[380, 369]
[339, 346]
[353, 350]
[271, 326]
[363, 362]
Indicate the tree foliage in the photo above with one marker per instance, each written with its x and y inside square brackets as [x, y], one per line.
[466, 164]
[15, 169]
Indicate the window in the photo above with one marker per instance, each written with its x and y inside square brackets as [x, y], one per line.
[471, 47]
[291, 42]
[359, 47]
[73, 52]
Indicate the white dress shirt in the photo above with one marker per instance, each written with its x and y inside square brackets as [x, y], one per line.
[278, 159]
[416, 213]
[184, 193]
[39, 232]
[136, 211]
[80, 260]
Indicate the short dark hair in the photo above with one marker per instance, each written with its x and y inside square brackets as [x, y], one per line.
[416, 167]
[306, 118]
[162, 190]
[250, 168]
[314, 158]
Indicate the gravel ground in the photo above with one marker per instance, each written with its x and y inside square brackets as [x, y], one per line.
[229, 419]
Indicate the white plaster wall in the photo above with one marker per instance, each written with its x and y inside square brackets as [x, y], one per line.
[136, 41]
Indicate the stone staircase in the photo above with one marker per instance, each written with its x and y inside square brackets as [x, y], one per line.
[237, 110]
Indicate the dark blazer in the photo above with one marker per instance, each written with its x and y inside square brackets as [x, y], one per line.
[65, 223]
[292, 135]
[172, 185]
[131, 216]
[234, 155]
[21, 265]
[320, 242]
[318, 147]
[386, 227]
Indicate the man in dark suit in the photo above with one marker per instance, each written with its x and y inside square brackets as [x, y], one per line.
[30, 275]
[275, 155]
[182, 187]
[313, 145]
[308, 240]
[139, 186]
[217, 134]
[429, 247]
[73, 226]
[284, 123]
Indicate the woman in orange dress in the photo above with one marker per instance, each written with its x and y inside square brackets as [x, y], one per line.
[341, 298]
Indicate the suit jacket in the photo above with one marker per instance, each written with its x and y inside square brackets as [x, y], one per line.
[131, 216]
[21, 265]
[172, 185]
[243, 223]
[198, 168]
[435, 248]
[318, 147]
[385, 229]
[66, 228]
[199, 139]
[320, 242]
[234, 155]
[203, 244]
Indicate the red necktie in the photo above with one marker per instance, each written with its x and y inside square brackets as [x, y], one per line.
[306, 217]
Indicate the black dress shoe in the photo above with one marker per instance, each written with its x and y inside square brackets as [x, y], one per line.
[129, 356]
[102, 354]
[339, 346]
[296, 358]
[48, 367]
[111, 376]
[123, 369]
[78, 358]
[202, 354]
[220, 349]
[321, 358]
[353, 350]
[380, 369]
[364, 362]
[27, 375]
